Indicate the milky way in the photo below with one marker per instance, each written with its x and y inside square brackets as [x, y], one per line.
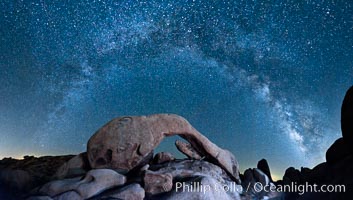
[264, 79]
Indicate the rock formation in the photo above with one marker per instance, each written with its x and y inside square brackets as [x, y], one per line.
[347, 117]
[163, 157]
[95, 182]
[337, 151]
[250, 183]
[119, 164]
[263, 166]
[124, 143]
[132, 192]
[23, 175]
[337, 170]
[187, 150]
[76, 166]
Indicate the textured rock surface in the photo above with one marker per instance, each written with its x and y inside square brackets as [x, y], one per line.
[187, 150]
[70, 195]
[189, 168]
[39, 198]
[124, 142]
[261, 177]
[76, 166]
[156, 183]
[130, 192]
[163, 157]
[254, 180]
[95, 182]
[162, 178]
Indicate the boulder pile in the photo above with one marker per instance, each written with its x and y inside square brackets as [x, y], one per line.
[120, 164]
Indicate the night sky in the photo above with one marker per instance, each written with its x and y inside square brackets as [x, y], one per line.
[264, 79]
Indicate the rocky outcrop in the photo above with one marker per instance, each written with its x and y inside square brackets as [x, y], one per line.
[181, 169]
[292, 175]
[19, 176]
[119, 164]
[95, 182]
[156, 183]
[39, 198]
[130, 192]
[347, 118]
[265, 168]
[337, 170]
[163, 157]
[161, 178]
[123, 143]
[337, 151]
[72, 195]
[16, 179]
[254, 180]
[187, 150]
[160, 181]
[76, 166]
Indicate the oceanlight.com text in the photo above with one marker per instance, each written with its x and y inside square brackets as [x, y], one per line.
[257, 187]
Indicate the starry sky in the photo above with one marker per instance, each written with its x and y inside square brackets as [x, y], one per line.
[264, 79]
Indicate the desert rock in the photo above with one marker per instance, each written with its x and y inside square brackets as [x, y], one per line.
[76, 166]
[16, 179]
[70, 195]
[263, 166]
[124, 142]
[187, 150]
[39, 198]
[95, 182]
[163, 157]
[156, 183]
[130, 192]
[347, 118]
[337, 151]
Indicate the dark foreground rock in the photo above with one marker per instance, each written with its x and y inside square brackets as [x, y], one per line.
[337, 170]
[18, 177]
[265, 168]
[347, 118]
